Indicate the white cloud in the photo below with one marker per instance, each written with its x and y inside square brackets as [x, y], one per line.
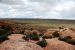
[11, 2]
[56, 9]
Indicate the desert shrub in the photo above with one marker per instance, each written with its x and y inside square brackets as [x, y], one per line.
[26, 38]
[47, 37]
[3, 38]
[42, 43]
[31, 29]
[70, 41]
[67, 39]
[34, 36]
[41, 34]
[2, 27]
[3, 31]
[22, 32]
[6, 27]
[55, 34]
[61, 38]
[61, 27]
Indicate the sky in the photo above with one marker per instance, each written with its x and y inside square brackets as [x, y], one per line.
[42, 9]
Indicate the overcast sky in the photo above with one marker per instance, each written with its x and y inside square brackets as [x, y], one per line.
[51, 9]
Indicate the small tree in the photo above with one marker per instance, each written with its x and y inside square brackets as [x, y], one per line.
[42, 43]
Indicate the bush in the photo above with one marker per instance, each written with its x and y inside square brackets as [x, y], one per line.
[55, 34]
[42, 43]
[2, 27]
[3, 38]
[70, 41]
[41, 34]
[3, 31]
[47, 37]
[34, 36]
[6, 27]
[31, 29]
[26, 38]
[61, 27]
[67, 39]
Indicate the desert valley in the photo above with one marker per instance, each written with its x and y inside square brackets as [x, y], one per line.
[37, 34]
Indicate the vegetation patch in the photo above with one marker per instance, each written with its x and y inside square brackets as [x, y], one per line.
[42, 43]
[55, 34]
[67, 39]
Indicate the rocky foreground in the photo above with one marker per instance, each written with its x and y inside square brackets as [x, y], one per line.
[17, 43]
[55, 44]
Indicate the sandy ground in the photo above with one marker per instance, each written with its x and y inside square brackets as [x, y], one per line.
[55, 44]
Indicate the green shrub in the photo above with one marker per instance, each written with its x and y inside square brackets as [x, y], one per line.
[31, 29]
[70, 41]
[67, 39]
[3, 31]
[3, 38]
[41, 34]
[61, 27]
[34, 36]
[6, 27]
[55, 34]
[26, 38]
[47, 37]
[2, 27]
[42, 43]
[61, 38]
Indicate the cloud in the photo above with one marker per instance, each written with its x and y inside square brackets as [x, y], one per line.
[53, 9]
[11, 2]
